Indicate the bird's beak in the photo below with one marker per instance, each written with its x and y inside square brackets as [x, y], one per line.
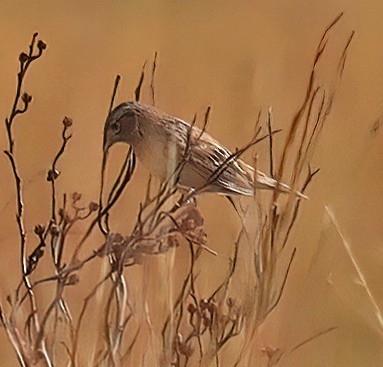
[107, 142]
[106, 145]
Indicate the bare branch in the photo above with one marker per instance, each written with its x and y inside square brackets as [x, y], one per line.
[152, 78]
[137, 92]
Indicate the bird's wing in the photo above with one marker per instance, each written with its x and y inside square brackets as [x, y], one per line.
[214, 160]
[232, 176]
[206, 156]
[209, 159]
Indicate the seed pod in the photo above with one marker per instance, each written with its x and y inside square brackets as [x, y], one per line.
[52, 175]
[68, 122]
[41, 45]
[93, 206]
[39, 229]
[23, 57]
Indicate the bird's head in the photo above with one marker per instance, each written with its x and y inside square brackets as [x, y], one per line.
[122, 125]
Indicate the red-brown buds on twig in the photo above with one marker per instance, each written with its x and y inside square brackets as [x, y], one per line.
[54, 230]
[26, 98]
[23, 57]
[76, 196]
[93, 207]
[39, 229]
[68, 122]
[41, 45]
[52, 175]
[33, 259]
[73, 279]
[191, 308]
[64, 215]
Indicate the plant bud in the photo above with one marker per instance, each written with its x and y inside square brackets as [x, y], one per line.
[72, 279]
[76, 196]
[54, 230]
[26, 98]
[52, 175]
[39, 229]
[68, 122]
[93, 207]
[191, 308]
[23, 57]
[41, 45]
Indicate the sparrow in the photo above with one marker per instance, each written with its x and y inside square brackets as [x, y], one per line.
[164, 143]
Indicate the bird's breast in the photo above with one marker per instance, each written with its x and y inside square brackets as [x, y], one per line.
[160, 156]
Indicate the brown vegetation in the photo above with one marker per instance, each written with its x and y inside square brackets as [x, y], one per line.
[195, 329]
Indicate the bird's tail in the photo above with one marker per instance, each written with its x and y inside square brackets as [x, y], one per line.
[281, 187]
[267, 183]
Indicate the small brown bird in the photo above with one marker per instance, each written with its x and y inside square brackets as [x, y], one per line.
[160, 142]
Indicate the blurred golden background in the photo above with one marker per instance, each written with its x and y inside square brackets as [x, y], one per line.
[239, 57]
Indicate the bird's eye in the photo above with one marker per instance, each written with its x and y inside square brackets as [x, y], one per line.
[116, 127]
